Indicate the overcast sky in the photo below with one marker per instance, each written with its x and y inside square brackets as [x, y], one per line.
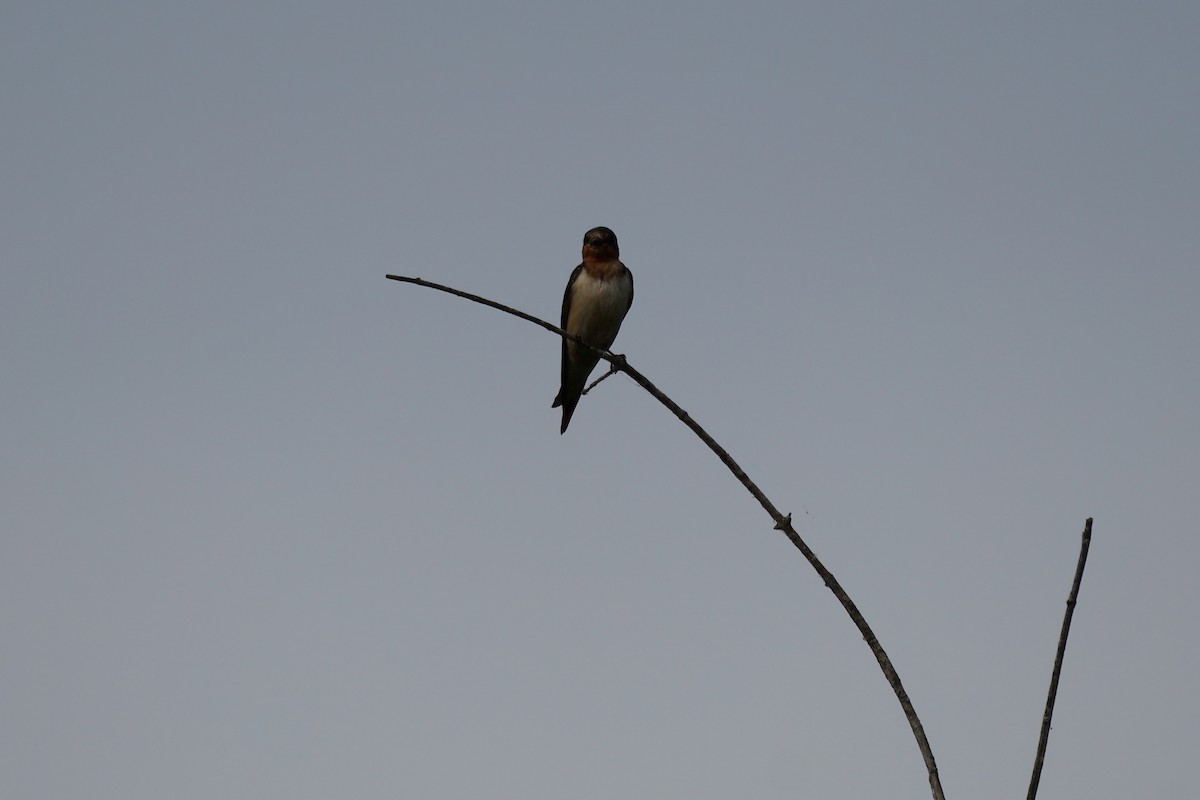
[274, 526]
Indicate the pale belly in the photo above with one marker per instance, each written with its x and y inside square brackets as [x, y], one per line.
[598, 308]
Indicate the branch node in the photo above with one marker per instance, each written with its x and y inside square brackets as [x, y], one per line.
[784, 523]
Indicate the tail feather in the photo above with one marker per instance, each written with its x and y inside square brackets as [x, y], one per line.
[575, 376]
[568, 407]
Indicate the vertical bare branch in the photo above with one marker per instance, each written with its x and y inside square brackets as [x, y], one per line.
[1058, 661]
[782, 522]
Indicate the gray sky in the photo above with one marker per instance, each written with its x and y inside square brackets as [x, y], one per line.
[273, 526]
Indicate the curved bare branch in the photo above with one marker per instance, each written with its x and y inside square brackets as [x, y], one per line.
[782, 522]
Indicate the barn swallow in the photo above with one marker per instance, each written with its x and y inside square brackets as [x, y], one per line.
[598, 296]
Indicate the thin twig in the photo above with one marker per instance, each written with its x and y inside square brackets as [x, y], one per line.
[612, 370]
[782, 522]
[1058, 662]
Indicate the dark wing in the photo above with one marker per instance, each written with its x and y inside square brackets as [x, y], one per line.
[566, 308]
[567, 296]
[630, 273]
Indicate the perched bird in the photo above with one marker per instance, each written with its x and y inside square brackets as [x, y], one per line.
[598, 295]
